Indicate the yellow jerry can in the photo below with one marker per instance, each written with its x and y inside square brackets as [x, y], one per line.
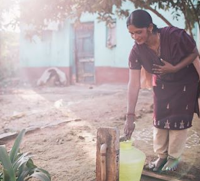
[131, 162]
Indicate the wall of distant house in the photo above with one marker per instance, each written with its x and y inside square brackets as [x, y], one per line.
[50, 50]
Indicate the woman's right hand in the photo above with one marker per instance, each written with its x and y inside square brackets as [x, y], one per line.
[166, 68]
[129, 126]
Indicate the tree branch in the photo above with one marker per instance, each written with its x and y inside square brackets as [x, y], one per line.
[158, 14]
[195, 12]
[188, 25]
[144, 5]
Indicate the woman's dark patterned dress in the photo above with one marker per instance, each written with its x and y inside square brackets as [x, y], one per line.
[175, 95]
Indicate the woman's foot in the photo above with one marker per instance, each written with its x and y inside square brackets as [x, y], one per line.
[157, 165]
[171, 165]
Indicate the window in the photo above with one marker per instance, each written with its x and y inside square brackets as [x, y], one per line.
[111, 35]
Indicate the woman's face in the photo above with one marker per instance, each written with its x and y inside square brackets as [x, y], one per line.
[140, 35]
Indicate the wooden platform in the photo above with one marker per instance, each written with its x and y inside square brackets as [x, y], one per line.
[158, 176]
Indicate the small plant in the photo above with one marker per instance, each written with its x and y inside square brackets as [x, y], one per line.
[18, 166]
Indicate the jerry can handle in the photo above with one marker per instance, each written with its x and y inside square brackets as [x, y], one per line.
[103, 161]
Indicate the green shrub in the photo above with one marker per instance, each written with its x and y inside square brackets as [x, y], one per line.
[18, 166]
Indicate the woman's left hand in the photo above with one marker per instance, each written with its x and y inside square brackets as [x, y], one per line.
[163, 69]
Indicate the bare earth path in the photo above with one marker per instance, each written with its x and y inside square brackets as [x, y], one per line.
[69, 118]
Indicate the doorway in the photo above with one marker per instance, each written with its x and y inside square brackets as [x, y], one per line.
[84, 53]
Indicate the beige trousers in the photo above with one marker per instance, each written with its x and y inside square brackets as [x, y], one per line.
[169, 143]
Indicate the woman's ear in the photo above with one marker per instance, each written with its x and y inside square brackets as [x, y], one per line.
[150, 28]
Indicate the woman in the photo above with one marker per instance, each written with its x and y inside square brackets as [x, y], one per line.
[167, 53]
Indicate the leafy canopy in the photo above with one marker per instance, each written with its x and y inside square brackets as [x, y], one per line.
[39, 12]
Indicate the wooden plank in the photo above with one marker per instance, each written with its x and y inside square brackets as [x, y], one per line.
[110, 137]
[158, 176]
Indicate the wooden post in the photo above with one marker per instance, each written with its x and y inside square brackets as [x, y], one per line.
[107, 154]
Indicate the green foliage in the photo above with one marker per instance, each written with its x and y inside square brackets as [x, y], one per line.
[19, 166]
[190, 9]
[39, 12]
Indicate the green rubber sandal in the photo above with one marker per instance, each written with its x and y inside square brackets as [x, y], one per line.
[171, 165]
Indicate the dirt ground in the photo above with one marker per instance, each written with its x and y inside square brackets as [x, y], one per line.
[68, 118]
